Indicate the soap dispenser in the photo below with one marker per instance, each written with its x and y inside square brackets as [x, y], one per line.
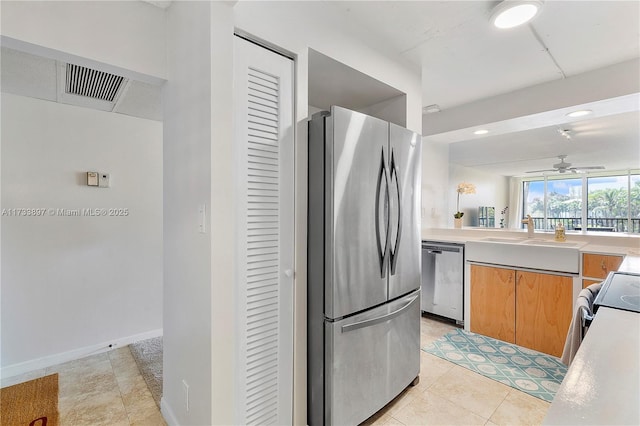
[560, 235]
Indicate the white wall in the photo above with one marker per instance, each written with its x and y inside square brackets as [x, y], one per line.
[77, 282]
[435, 185]
[393, 110]
[491, 190]
[127, 34]
[198, 278]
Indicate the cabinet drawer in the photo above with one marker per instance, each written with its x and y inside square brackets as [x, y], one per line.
[599, 265]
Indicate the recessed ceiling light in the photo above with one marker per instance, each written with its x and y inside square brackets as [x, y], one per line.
[580, 113]
[481, 132]
[511, 13]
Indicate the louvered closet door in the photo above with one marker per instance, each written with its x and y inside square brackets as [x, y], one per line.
[263, 103]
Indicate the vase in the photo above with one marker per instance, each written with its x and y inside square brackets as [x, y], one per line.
[457, 223]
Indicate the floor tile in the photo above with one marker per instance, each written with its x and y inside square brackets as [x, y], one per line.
[394, 422]
[134, 390]
[431, 369]
[400, 401]
[470, 390]
[93, 408]
[431, 409]
[144, 413]
[123, 363]
[518, 408]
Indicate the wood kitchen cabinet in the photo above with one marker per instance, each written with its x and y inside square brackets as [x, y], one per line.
[530, 309]
[596, 267]
[493, 302]
[599, 265]
[543, 311]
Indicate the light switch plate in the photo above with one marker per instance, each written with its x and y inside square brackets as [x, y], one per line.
[92, 178]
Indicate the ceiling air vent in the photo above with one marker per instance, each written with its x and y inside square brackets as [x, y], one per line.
[92, 83]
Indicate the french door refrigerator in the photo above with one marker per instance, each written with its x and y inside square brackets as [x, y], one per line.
[363, 265]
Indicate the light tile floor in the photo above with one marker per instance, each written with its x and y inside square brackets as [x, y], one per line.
[107, 389]
[452, 395]
[101, 390]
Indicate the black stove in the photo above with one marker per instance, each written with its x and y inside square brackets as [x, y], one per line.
[621, 290]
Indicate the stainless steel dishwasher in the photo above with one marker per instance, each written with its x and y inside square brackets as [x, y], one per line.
[443, 279]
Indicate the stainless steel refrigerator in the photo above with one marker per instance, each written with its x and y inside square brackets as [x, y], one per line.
[363, 265]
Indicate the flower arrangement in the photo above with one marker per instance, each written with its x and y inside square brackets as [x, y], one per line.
[503, 212]
[463, 188]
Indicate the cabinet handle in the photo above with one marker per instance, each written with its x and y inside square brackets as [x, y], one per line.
[602, 265]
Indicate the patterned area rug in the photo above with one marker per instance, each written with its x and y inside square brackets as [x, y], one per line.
[532, 372]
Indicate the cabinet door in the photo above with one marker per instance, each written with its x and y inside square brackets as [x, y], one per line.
[493, 305]
[543, 311]
[264, 288]
[599, 265]
[587, 283]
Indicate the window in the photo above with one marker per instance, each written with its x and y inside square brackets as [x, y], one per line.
[634, 204]
[608, 203]
[603, 203]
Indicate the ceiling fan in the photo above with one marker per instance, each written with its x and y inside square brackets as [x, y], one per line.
[563, 167]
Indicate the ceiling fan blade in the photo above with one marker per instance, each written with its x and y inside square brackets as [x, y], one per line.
[589, 168]
[540, 171]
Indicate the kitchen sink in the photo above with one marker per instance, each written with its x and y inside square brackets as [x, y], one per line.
[536, 253]
[553, 243]
[503, 240]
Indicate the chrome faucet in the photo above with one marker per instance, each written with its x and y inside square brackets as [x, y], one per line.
[529, 222]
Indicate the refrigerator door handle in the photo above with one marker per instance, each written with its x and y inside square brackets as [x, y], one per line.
[382, 250]
[378, 320]
[394, 249]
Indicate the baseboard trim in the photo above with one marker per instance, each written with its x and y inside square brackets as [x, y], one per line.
[167, 413]
[59, 358]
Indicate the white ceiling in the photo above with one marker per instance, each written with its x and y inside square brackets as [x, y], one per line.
[519, 83]
[465, 62]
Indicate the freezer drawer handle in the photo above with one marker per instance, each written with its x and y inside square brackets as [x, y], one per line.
[374, 321]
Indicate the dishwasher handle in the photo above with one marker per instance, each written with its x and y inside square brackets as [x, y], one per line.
[439, 249]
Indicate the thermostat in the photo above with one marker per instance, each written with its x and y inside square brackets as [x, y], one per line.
[92, 178]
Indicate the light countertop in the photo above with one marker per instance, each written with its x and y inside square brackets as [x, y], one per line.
[602, 386]
[616, 244]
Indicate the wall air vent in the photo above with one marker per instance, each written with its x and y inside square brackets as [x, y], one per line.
[92, 83]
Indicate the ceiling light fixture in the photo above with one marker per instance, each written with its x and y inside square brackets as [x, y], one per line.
[430, 109]
[481, 132]
[512, 13]
[565, 132]
[579, 113]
